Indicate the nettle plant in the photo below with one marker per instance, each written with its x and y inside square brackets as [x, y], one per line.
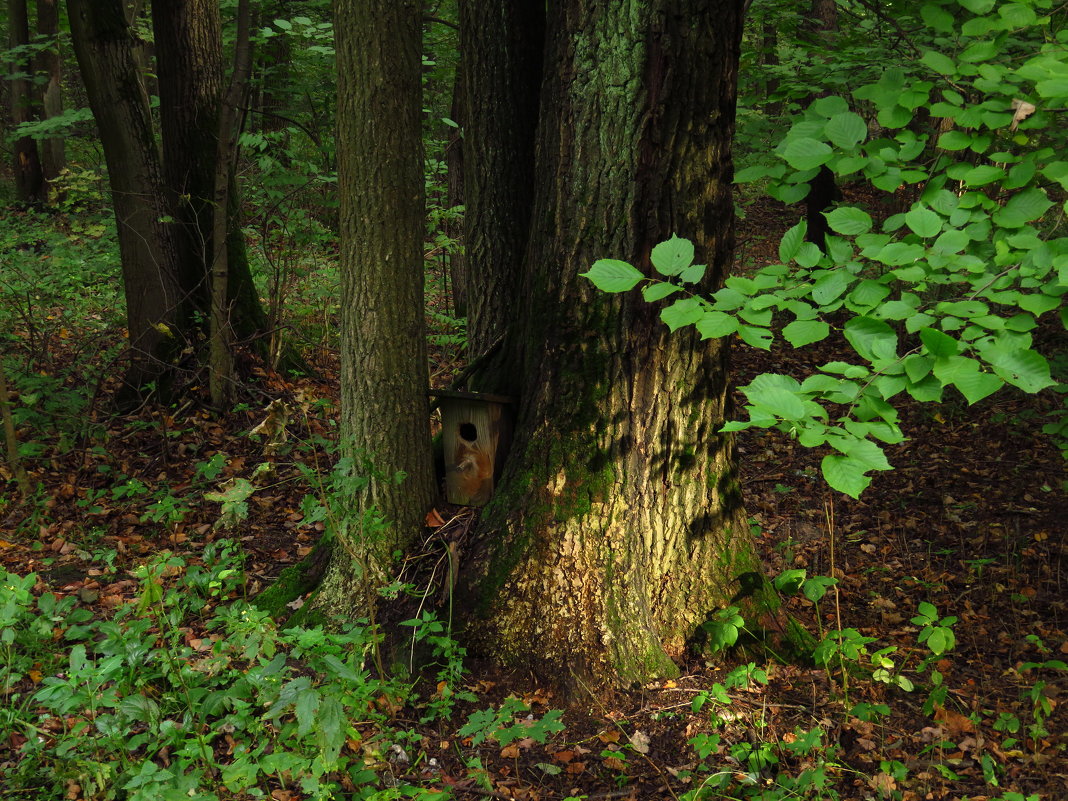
[947, 294]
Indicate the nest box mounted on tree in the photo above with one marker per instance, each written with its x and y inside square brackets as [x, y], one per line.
[476, 430]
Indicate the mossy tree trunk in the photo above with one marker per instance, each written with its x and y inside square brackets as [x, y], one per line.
[617, 528]
[384, 376]
[501, 49]
[30, 184]
[188, 35]
[50, 69]
[106, 51]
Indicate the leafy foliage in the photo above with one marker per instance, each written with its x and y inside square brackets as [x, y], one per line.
[949, 293]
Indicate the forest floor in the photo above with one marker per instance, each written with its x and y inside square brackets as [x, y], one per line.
[972, 520]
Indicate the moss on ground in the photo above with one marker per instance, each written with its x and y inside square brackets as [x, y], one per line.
[292, 583]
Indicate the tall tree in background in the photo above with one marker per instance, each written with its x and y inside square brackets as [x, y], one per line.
[107, 58]
[501, 50]
[30, 184]
[385, 409]
[49, 65]
[167, 245]
[822, 189]
[617, 527]
[189, 56]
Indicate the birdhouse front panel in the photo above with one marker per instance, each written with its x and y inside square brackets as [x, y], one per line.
[474, 432]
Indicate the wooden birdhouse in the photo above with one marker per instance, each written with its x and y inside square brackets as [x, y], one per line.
[476, 430]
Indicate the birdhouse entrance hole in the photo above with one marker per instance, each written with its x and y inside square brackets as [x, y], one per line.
[476, 430]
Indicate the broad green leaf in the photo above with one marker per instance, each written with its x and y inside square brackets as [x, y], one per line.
[331, 729]
[804, 332]
[780, 402]
[923, 222]
[693, 274]
[894, 310]
[866, 453]
[808, 255]
[805, 153]
[612, 275]
[951, 241]
[757, 337]
[673, 256]
[846, 130]
[1057, 171]
[937, 17]
[980, 50]
[941, 64]
[305, 708]
[830, 106]
[894, 117]
[1039, 304]
[658, 291]
[849, 221]
[844, 474]
[1023, 207]
[1055, 87]
[954, 140]
[983, 175]
[754, 173]
[869, 293]
[791, 242]
[716, 324]
[939, 344]
[978, 385]
[682, 313]
[899, 253]
[928, 390]
[1026, 369]
[872, 339]
[830, 285]
[963, 308]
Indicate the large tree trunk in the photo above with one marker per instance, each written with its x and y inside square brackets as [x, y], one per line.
[29, 179]
[188, 36]
[50, 66]
[106, 57]
[823, 189]
[385, 409]
[501, 47]
[617, 528]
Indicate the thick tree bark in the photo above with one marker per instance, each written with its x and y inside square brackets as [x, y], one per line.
[385, 409]
[30, 185]
[823, 189]
[501, 48]
[221, 355]
[50, 65]
[618, 528]
[454, 162]
[188, 36]
[106, 57]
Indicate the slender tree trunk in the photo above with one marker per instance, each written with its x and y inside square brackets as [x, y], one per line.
[50, 64]
[105, 49]
[385, 409]
[823, 189]
[617, 528]
[30, 185]
[454, 161]
[501, 47]
[188, 36]
[770, 56]
[11, 445]
[221, 358]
